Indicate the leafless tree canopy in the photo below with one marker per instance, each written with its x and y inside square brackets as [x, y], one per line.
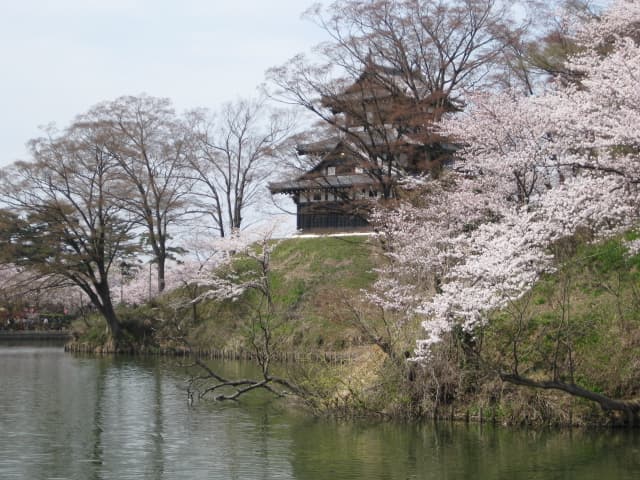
[537, 51]
[150, 145]
[73, 224]
[233, 154]
[390, 70]
[122, 179]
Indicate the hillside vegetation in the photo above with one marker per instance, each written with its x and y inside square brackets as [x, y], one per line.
[579, 325]
[315, 282]
[576, 329]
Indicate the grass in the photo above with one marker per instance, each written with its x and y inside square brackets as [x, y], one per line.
[313, 281]
[582, 324]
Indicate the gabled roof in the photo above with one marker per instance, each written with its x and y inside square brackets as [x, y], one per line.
[373, 75]
[319, 148]
[382, 83]
[333, 152]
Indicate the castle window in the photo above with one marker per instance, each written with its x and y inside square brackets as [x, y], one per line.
[331, 170]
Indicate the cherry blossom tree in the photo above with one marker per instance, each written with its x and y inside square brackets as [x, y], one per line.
[388, 72]
[542, 169]
[20, 285]
[19, 290]
[556, 161]
[196, 271]
[236, 268]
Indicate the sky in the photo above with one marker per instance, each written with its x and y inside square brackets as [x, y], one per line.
[61, 57]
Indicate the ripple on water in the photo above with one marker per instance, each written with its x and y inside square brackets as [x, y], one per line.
[71, 417]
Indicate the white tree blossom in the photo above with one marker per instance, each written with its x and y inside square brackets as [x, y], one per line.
[538, 169]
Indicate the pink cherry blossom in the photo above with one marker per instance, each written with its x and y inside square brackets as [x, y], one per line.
[533, 170]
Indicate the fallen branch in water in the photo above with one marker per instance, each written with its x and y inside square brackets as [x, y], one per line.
[211, 381]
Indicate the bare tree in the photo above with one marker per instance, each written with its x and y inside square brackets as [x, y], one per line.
[70, 223]
[266, 326]
[390, 71]
[232, 157]
[538, 50]
[149, 144]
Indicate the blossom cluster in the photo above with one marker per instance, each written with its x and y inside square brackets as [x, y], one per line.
[533, 171]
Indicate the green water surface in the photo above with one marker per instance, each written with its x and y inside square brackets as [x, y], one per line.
[69, 417]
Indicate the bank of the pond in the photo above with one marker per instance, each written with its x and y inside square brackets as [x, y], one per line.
[326, 357]
[33, 335]
[80, 417]
[359, 353]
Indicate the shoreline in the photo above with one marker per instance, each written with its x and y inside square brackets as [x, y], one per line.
[34, 335]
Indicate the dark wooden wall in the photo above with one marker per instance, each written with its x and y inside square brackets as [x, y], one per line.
[338, 221]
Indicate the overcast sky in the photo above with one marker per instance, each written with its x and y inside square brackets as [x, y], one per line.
[60, 57]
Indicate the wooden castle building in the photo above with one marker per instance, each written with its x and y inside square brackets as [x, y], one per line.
[382, 133]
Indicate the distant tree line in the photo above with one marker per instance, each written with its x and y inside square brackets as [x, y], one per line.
[121, 181]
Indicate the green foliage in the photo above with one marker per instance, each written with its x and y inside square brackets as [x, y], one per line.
[596, 327]
[344, 261]
[603, 258]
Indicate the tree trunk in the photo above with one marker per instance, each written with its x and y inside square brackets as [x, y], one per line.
[115, 327]
[630, 407]
[105, 306]
[161, 281]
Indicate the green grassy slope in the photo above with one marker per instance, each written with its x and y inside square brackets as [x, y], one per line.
[314, 281]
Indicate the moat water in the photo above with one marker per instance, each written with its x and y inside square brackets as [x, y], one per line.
[77, 417]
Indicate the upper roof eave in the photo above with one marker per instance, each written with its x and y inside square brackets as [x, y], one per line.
[321, 183]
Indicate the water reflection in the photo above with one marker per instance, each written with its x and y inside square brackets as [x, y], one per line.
[101, 418]
[444, 451]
